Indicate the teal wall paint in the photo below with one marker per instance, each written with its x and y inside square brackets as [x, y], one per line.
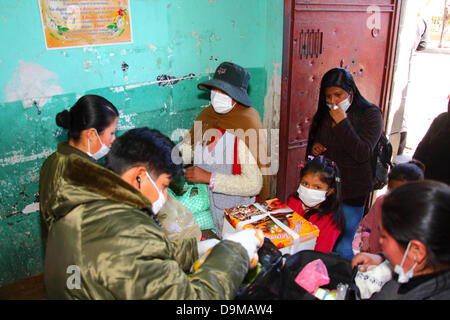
[176, 37]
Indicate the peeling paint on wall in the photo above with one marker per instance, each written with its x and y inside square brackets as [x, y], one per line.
[32, 82]
[32, 207]
[171, 43]
[272, 100]
[125, 121]
[14, 157]
[166, 80]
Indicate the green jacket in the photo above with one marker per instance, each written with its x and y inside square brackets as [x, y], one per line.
[50, 181]
[100, 229]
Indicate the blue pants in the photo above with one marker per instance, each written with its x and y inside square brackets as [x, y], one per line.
[353, 216]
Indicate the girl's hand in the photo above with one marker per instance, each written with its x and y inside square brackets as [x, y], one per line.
[365, 260]
[317, 149]
[337, 114]
[196, 174]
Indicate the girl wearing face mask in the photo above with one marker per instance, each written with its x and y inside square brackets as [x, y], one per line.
[368, 235]
[414, 240]
[91, 125]
[346, 128]
[318, 200]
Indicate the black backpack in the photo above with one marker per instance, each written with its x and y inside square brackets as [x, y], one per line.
[381, 155]
[381, 162]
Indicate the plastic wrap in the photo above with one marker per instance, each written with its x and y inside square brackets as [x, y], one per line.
[178, 221]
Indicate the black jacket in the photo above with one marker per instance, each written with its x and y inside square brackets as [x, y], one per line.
[434, 149]
[435, 286]
[351, 148]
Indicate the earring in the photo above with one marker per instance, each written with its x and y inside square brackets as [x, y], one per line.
[138, 179]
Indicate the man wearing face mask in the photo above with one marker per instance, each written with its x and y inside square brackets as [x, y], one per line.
[106, 228]
[230, 161]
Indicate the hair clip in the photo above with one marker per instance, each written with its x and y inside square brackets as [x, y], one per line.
[333, 164]
[310, 157]
[338, 179]
[302, 166]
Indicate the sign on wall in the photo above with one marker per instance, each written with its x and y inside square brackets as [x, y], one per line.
[77, 23]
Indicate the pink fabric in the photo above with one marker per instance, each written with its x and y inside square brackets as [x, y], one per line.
[371, 222]
[313, 276]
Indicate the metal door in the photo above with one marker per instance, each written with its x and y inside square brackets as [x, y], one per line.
[320, 35]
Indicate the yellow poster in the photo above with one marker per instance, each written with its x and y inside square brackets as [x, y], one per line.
[77, 23]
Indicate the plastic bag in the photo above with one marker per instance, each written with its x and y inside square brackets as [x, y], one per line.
[178, 221]
[313, 276]
[195, 197]
[373, 279]
[276, 280]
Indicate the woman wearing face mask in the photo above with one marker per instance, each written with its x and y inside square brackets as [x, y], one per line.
[345, 129]
[91, 126]
[414, 239]
[106, 224]
[318, 200]
[226, 154]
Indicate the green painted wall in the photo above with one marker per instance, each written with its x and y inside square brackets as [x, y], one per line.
[173, 37]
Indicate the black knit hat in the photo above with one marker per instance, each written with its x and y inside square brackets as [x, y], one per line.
[231, 79]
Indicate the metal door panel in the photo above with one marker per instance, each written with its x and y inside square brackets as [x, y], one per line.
[319, 36]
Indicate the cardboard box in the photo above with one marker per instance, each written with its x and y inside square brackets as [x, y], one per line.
[288, 230]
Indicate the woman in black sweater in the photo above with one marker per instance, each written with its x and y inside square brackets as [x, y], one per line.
[346, 129]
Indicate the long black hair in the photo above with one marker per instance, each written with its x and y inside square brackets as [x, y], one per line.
[420, 210]
[90, 111]
[328, 172]
[342, 78]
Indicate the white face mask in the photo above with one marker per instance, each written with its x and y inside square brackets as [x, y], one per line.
[161, 201]
[311, 197]
[221, 103]
[344, 104]
[100, 153]
[402, 276]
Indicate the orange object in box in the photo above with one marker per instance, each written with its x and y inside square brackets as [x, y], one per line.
[259, 215]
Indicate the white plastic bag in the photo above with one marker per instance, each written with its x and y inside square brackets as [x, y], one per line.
[177, 221]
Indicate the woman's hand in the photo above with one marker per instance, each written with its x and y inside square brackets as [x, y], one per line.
[196, 174]
[337, 114]
[317, 149]
[365, 260]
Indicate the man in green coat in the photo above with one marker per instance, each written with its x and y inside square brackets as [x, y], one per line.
[105, 240]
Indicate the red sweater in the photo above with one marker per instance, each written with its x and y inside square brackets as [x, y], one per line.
[329, 231]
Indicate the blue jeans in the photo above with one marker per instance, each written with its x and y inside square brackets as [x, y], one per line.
[353, 216]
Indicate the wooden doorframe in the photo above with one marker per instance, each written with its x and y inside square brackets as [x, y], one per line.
[389, 75]
[286, 76]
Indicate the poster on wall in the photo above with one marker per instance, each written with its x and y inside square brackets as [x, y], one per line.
[78, 23]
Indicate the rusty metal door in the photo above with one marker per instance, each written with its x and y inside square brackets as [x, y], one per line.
[318, 36]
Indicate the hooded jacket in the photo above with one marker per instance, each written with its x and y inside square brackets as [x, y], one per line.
[103, 244]
[50, 180]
